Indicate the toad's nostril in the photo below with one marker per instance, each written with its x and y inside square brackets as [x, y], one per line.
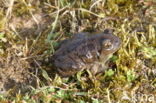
[118, 42]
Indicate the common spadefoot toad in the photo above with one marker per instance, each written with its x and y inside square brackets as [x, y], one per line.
[85, 51]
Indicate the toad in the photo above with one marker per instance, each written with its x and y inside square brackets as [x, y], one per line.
[85, 51]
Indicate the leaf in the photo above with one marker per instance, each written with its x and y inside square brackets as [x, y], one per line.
[149, 52]
[95, 100]
[45, 75]
[109, 73]
[131, 76]
[113, 58]
[1, 35]
[80, 93]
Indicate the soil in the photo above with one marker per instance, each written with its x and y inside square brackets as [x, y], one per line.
[30, 26]
[16, 72]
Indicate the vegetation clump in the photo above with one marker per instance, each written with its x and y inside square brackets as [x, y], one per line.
[31, 30]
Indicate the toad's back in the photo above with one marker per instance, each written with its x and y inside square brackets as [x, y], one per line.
[84, 51]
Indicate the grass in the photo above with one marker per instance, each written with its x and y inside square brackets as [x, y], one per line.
[31, 30]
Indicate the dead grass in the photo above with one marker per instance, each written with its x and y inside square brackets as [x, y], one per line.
[31, 30]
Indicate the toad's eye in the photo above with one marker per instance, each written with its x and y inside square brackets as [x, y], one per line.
[107, 44]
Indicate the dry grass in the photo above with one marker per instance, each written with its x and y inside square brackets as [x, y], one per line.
[30, 30]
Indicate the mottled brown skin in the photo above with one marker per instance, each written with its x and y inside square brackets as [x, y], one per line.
[85, 51]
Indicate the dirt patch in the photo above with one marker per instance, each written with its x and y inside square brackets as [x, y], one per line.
[15, 72]
[30, 26]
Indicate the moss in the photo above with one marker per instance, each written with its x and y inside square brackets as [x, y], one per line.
[132, 74]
